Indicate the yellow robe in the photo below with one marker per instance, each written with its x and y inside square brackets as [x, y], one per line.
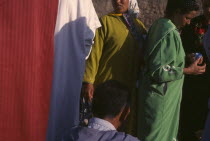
[115, 53]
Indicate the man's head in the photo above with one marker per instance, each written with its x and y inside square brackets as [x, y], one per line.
[111, 102]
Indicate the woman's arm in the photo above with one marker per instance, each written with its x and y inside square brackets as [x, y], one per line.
[162, 61]
[92, 65]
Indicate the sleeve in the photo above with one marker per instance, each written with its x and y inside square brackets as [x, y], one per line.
[142, 26]
[206, 42]
[92, 63]
[162, 61]
[92, 24]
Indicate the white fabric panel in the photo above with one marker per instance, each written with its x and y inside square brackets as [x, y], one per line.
[75, 29]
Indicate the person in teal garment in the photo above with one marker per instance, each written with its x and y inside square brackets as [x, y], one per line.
[111, 107]
[161, 89]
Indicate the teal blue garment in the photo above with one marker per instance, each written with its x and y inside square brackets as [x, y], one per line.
[89, 134]
[206, 132]
[161, 90]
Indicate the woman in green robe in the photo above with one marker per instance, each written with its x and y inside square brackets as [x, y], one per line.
[161, 90]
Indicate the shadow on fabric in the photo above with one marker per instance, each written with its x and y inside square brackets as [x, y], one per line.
[69, 65]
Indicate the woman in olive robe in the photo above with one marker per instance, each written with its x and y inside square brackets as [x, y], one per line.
[116, 51]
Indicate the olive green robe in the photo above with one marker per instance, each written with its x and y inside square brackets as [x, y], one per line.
[160, 93]
[115, 53]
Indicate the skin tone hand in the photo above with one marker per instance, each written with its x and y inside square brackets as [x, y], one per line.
[87, 91]
[194, 69]
[200, 61]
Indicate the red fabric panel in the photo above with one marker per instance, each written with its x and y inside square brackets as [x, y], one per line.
[26, 58]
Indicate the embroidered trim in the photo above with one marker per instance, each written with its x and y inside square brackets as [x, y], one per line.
[166, 68]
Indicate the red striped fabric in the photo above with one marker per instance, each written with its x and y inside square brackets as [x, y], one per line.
[26, 62]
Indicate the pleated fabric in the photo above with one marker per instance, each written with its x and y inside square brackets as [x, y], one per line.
[26, 64]
[74, 33]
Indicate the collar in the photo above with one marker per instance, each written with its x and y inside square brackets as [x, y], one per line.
[114, 14]
[100, 124]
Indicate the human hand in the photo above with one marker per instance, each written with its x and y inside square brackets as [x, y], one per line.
[87, 91]
[200, 61]
[195, 69]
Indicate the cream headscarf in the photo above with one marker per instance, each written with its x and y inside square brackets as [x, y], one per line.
[133, 8]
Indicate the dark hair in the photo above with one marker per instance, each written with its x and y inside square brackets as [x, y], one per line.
[109, 98]
[185, 6]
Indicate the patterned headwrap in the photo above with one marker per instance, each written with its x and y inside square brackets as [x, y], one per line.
[184, 5]
[190, 4]
[129, 17]
[133, 8]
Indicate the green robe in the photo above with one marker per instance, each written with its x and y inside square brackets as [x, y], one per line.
[161, 90]
[115, 53]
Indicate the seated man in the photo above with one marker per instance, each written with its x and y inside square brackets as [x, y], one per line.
[110, 109]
